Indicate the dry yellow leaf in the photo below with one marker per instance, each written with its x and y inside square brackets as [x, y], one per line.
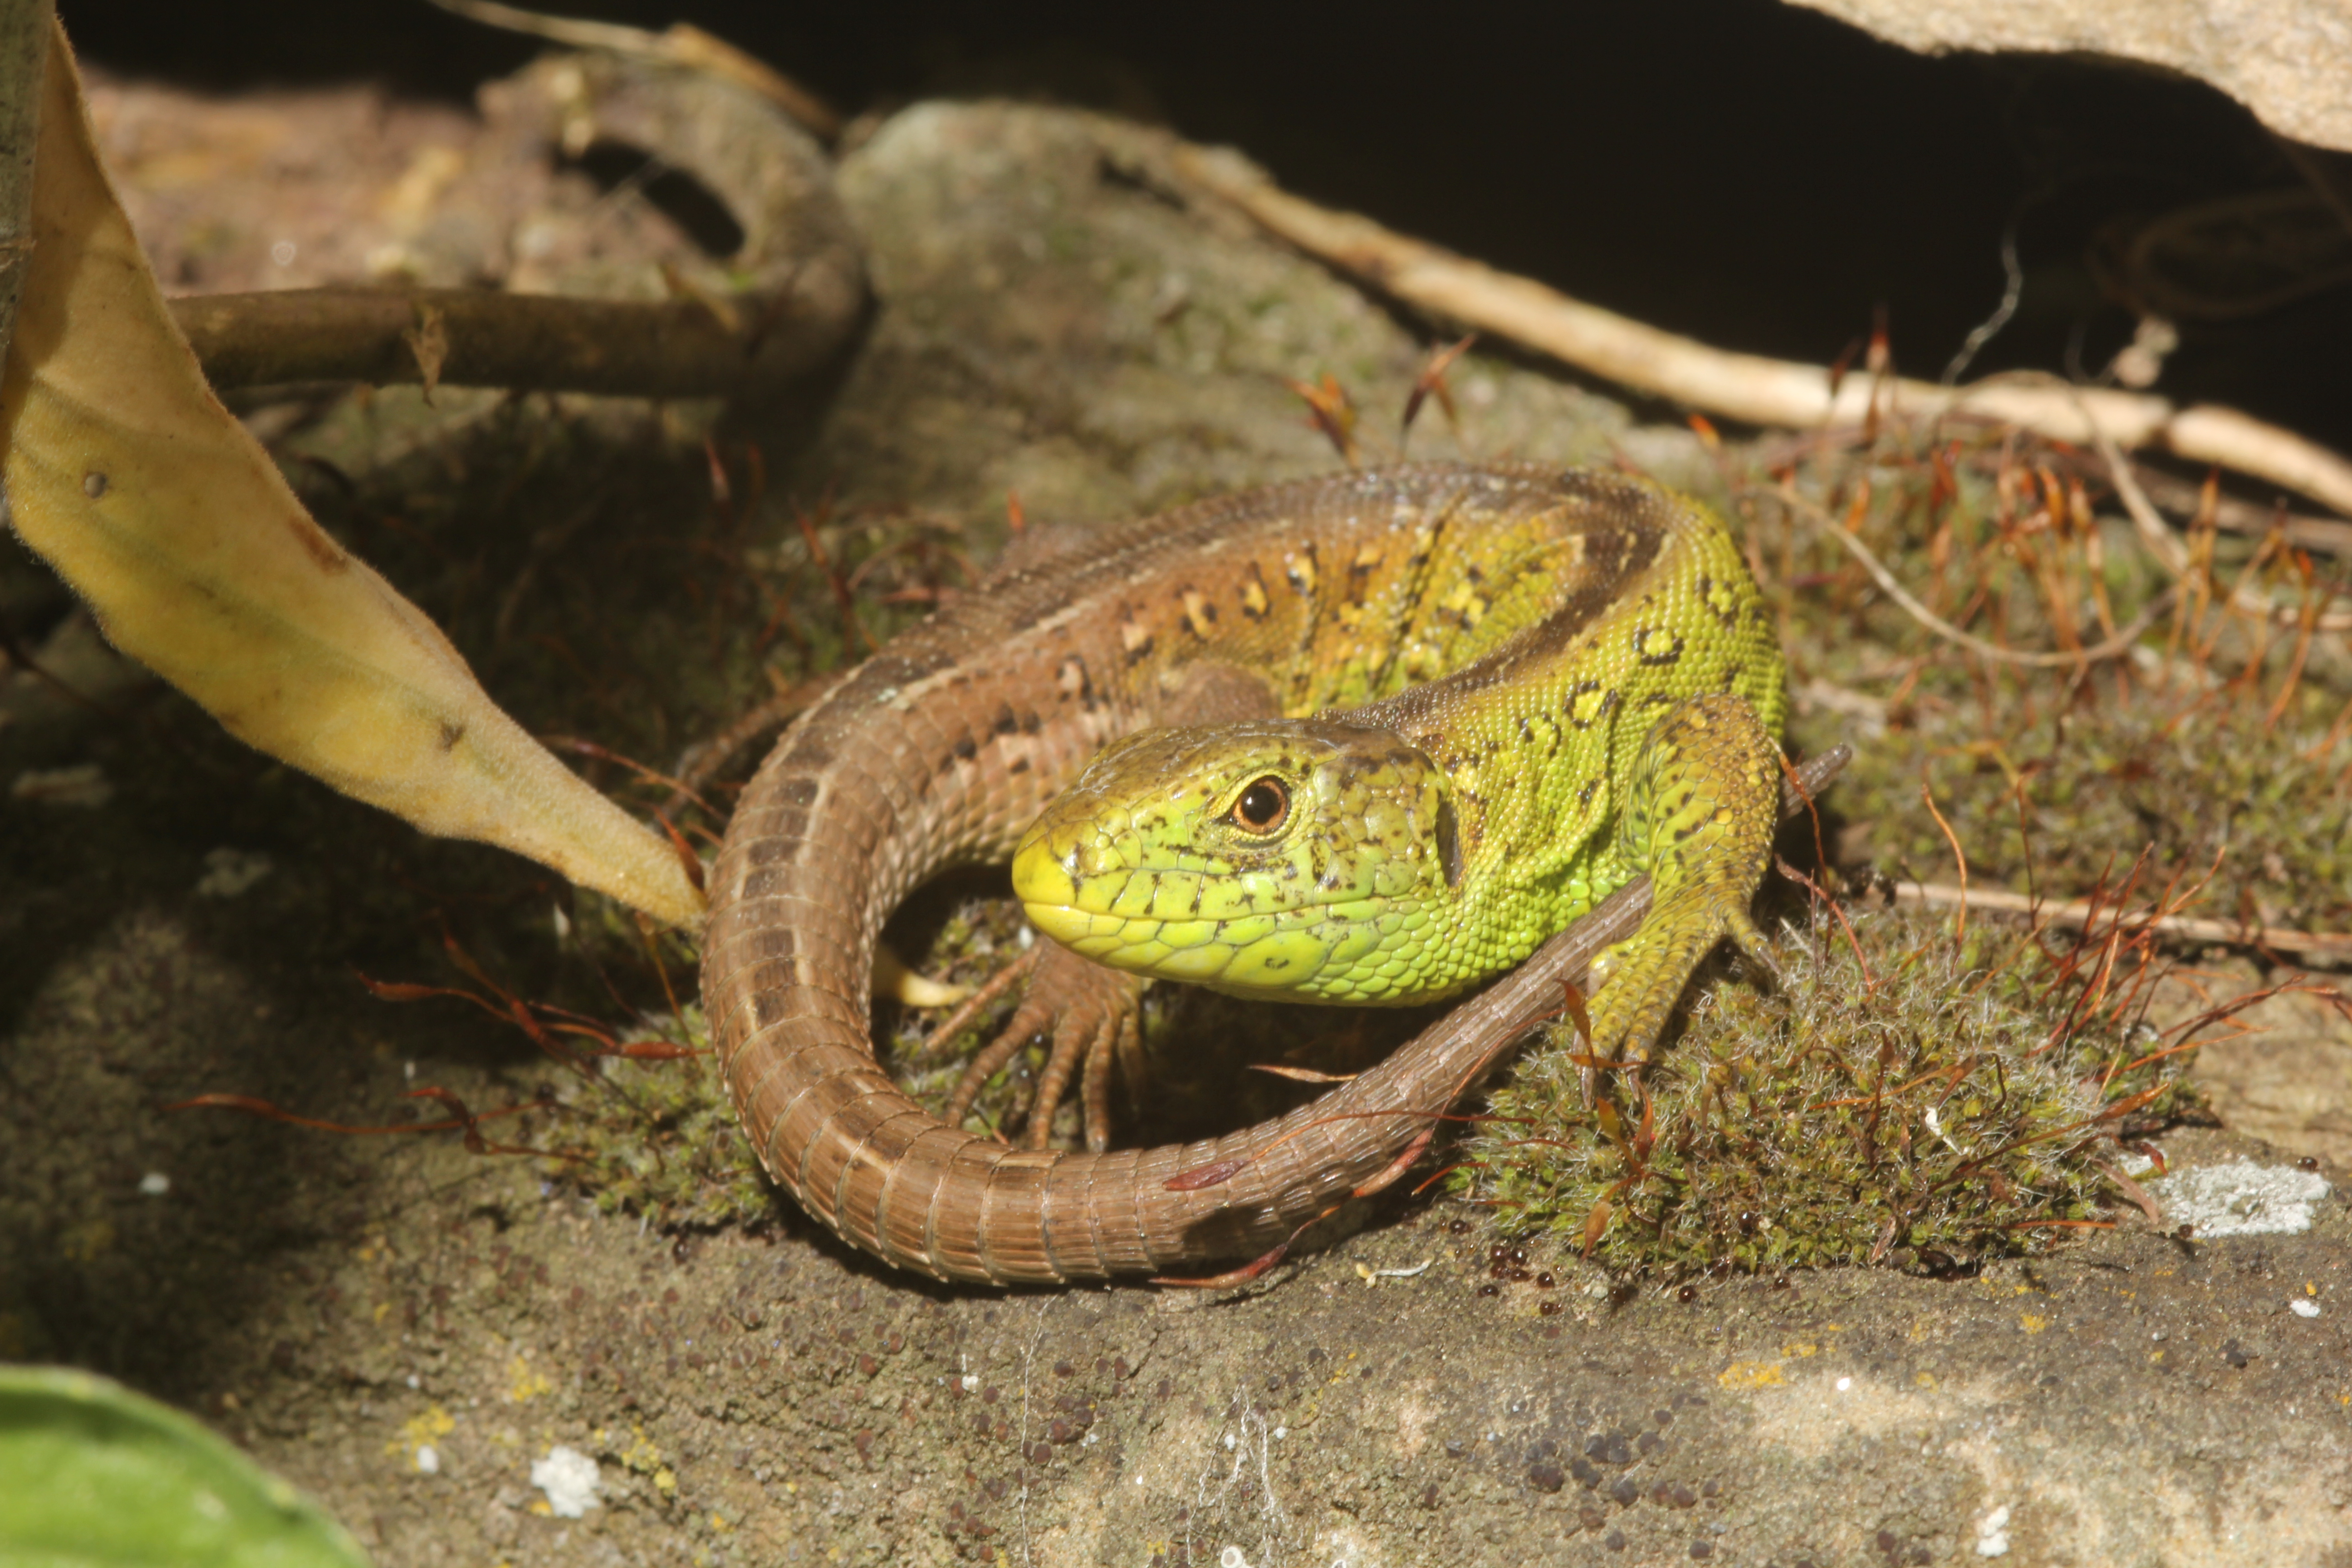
[127, 475]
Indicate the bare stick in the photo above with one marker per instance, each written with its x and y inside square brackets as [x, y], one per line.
[2078, 915]
[1748, 387]
[536, 342]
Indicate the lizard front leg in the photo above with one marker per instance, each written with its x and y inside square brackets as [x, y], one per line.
[1089, 1012]
[1699, 814]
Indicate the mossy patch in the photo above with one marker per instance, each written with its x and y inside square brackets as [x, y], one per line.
[1909, 1094]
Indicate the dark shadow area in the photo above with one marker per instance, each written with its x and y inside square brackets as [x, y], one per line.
[1754, 174]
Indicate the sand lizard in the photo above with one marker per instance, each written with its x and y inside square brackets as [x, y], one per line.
[1517, 686]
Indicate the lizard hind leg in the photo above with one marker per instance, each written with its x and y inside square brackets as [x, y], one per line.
[1699, 814]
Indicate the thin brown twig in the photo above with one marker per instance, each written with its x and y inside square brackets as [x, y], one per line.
[2078, 914]
[681, 43]
[2121, 642]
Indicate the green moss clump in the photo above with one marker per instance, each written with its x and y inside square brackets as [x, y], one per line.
[2204, 787]
[1950, 1103]
[660, 1139]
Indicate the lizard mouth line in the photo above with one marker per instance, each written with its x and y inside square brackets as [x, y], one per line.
[1252, 953]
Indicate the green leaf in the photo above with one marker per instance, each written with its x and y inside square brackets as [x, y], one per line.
[95, 1474]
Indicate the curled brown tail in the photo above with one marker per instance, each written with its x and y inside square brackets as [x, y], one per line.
[858, 806]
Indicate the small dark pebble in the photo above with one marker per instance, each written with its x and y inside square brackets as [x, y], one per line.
[1687, 1293]
[1646, 1443]
[1061, 1432]
[1549, 1308]
[1459, 1227]
[1625, 1492]
[1701, 1550]
[1547, 1478]
[1490, 1289]
[1609, 1447]
[1519, 1255]
[1586, 1476]
[1429, 1495]
[1500, 1270]
[1681, 1497]
[1454, 1448]
[1061, 1369]
[2236, 1354]
[1590, 1518]
[1886, 1542]
[1614, 1540]
[1662, 1419]
[1520, 1276]
[1544, 1282]
[2308, 1163]
[1711, 1489]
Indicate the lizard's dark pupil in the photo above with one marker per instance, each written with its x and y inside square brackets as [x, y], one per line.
[1261, 806]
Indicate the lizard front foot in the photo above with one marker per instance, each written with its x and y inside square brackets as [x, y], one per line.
[1699, 817]
[1090, 1013]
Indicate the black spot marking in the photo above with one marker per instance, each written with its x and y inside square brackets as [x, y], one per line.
[1584, 796]
[1653, 699]
[1017, 765]
[1449, 844]
[1657, 656]
[1329, 880]
[1005, 721]
[800, 792]
[1608, 704]
[1730, 618]
[1253, 601]
[1031, 723]
[1138, 651]
[452, 732]
[966, 748]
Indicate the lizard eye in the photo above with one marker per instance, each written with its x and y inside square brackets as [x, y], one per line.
[1262, 808]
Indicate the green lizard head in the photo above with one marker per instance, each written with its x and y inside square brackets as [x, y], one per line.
[1281, 858]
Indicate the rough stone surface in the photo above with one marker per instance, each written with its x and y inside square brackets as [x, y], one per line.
[2286, 62]
[340, 1305]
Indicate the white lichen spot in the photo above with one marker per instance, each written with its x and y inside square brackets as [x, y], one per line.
[2304, 1307]
[1992, 1533]
[2240, 1198]
[428, 1460]
[1231, 1557]
[569, 1479]
[154, 1184]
